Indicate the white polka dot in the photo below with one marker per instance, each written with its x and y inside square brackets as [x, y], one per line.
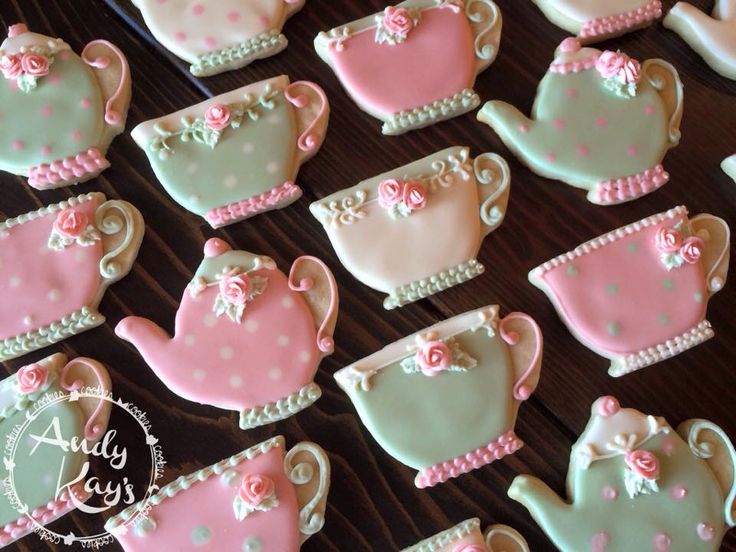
[283, 340]
[194, 199]
[272, 168]
[199, 374]
[698, 296]
[305, 356]
[287, 302]
[226, 353]
[28, 320]
[248, 148]
[14, 281]
[251, 326]
[54, 295]
[189, 340]
[191, 169]
[231, 181]
[275, 373]
[235, 381]
[210, 319]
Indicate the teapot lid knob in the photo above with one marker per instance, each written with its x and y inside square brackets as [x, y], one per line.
[214, 247]
[607, 406]
[570, 45]
[17, 29]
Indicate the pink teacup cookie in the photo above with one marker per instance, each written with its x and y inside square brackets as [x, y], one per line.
[466, 537]
[263, 498]
[638, 294]
[57, 263]
[248, 337]
[59, 111]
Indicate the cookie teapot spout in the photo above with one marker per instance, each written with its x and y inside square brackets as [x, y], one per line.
[545, 505]
[152, 341]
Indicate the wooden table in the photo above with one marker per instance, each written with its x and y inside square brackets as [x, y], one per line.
[373, 504]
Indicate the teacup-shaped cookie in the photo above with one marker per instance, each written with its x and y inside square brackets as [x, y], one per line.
[263, 498]
[60, 111]
[238, 154]
[466, 537]
[638, 294]
[416, 230]
[219, 35]
[465, 377]
[415, 64]
[57, 263]
[248, 338]
[38, 477]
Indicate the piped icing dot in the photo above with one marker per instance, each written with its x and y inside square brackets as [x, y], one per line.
[698, 296]
[46, 151]
[235, 382]
[668, 284]
[77, 135]
[650, 110]
[275, 373]
[47, 111]
[252, 544]
[523, 128]
[668, 446]
[214, 247]
[661, 542]
[558, 124]
[633, 151]
[201, 535]
[608, 406]
[251, 326]
[613, 328]
[572, 92]
[210, 41]
[569, 45]
[197, 9]
[601, 122]
[233, 16]
[199, 374]
[679, 492]
[583, 150]
[551, 157]
[571, 270]
[599, 542]
[19, 145]
[180, 36]
[287, 302]
[706, 532]
[17, 29]
[85, 103]
[609, 493]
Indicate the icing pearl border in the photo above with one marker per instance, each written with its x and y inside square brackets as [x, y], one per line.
[447, 537]
[280, 409]
[264, 45]
[606, 26]
[280, 196]
[52, 208]
[428, 114]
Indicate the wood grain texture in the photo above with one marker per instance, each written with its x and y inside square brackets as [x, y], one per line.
[373, 505]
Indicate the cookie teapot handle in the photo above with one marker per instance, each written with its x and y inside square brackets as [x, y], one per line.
[79, 374]
[664, 78]
[485, 22]
[493, 177]
[307, 467]
[515, 329]
[715, 257]
[105, 57]
[312, 114]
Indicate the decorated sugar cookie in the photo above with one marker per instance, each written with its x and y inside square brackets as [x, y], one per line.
[636, 484]
[414, 64]
[36, 478]
[416, 230]
[729, 166]
[466, 537]
[713, 37]
[638, 294]
[248, 338]
[219, 35]
[465, 377]
[238, 154]
[601, 121]
[59, 111]
[55, 265]
[263, 498]
[598, 20]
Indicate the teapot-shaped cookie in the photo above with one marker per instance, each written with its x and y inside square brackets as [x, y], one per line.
[636, 484]
[444, 400]
[41, 475]
[263, 498]
[60, 111]
[415, 64]
[601, 122]
[713, 37]
[417, 230]
[466, 537]
[248, 338]
[598, 20]
[219, 35]
[729, 166]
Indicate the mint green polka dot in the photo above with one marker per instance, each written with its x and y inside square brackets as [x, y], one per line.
[698, 296]
[612, 289]
[614, 328]
[252, 544]
[572, 270]
[668, 284]
[632, 248]
[664, 319]
[201, 535]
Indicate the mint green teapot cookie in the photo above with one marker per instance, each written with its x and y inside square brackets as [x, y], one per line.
[637, 484]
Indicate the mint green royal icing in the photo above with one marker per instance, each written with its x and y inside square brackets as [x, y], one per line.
[263, 45]
[53, 115]
[422, 420]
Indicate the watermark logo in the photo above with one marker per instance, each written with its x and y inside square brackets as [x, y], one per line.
[45, 449]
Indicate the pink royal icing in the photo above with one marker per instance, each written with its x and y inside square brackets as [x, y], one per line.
[644, 463]
[433, 358]
[31, 378]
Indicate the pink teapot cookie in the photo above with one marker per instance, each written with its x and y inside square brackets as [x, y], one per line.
[635, 483]
[60, 111]
[238, 154]
[39, 471]
[57, 263]
[263, 498]
[729, 166]
[219, 35]
[415, 64]
[466, 537]
[713, 37]
[248, 338]
[601, 121]
[638, 294]
[598, 20]
[416, 230]
[468, 375]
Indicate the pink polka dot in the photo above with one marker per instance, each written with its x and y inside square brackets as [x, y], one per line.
[572, 92]
[524, 128]
[551, 157]
[65, 55]
[14, 85]
[678, 492]
[609, 493]
[583, 150]
[668, 446]
[661, 542]
[265, 21]
[558, 124]
[160, 1]
[650, 110]
[233, 16]
[54, 79]
[210, 41]
[47, 111]
[197, 9]
[46, 151]
[601, 122]
[633, 151]
[180, 36]
[706, 532]
[77, 135]
[19, 145]
[85, 103]
[599, 542]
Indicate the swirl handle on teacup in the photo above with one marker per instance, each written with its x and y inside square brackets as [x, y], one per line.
[306, 465]
[93, 376]
[528, 377]
[717, 237]
[494, 179]
[112, 93]
[502, 538]
[486, 22]
[312, 123]
[664, 78]
[113, 218]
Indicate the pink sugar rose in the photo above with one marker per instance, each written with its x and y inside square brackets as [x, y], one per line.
[31, 378]
[235, 290]
[398, 21]
[668, 240]
[217, 116]
[390, 192]
[433, 357]
[631, 72]
[255, 488]
[692, 249]
[415, 196]
[10, 65]
[70, 223]
[610, 63]
[35, 65]
[643, 463]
